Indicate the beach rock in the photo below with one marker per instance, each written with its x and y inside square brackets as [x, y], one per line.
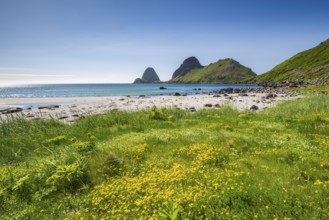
[177, 94]
[217, 105]
[163, 87]
[254, 107]
[208, 105]
[50, 107]
[270, 96]
[11, 110]
[216, 96]
[29, 115]
[187, 65]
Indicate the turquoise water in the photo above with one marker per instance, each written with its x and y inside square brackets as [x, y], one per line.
[102, 90]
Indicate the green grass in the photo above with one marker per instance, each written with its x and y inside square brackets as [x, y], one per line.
[308, 65]
[223, 71]
[311, 89]
[170, 164]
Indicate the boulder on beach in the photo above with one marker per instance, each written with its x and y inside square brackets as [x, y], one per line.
[49, 107]
[10, 110]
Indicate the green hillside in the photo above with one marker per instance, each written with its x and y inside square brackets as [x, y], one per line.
[223, 71]
[311, 64]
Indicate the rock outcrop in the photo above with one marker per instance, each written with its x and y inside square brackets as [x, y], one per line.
[223, 71]
[188, 65]
[149, 76]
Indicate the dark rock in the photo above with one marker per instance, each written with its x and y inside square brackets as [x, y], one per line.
[243, 94]
[141, 96]
[270, 96]
[139, 80]
[254, 107]
[10, 110]
[163, 87]
[187, 65]
[177, 94]
[217, 105]
[49, 107]
[63, 117]
[216, 96]
[149, 76]
[208, 105]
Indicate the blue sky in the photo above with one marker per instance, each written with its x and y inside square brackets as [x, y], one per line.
[113, 41]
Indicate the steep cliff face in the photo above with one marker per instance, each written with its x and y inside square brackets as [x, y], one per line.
[223, 71]
[188, 65]
[149, 76]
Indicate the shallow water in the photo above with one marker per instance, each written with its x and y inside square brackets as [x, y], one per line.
[103, 90]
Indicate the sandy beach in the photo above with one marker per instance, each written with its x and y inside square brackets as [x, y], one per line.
[83, 106]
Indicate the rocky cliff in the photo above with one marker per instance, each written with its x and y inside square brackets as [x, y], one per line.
[188, 65]
[149, 76]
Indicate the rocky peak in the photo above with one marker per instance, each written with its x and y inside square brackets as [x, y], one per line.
[188, 64]
[149, 76]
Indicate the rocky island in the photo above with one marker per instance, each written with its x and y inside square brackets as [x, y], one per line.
[149, 76]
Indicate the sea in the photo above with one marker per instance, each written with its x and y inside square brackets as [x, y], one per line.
[101, 90]
[104, 90]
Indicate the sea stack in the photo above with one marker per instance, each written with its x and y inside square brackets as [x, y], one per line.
[149, 76]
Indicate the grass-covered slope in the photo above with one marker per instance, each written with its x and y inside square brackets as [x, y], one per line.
[311, 64]
[223, 71]
[170, 164]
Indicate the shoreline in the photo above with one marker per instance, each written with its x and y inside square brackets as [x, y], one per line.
[78, 107]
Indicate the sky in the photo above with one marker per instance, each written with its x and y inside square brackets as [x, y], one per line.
[114, 41]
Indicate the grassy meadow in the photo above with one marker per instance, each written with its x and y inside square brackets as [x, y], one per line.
[170, 164]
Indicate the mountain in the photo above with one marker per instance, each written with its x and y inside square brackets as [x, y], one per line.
[149, 76]
[223, 71]
[309, 65]
[188, 65]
